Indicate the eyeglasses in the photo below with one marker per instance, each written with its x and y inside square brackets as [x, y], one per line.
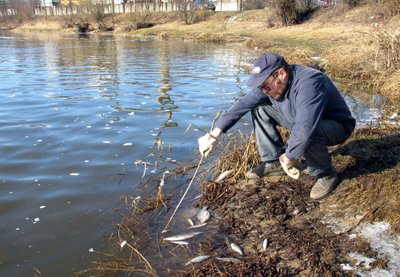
[266, 87]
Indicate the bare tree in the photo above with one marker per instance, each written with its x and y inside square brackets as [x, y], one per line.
[3, 8]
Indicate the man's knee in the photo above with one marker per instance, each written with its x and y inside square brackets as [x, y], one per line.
[330, 131]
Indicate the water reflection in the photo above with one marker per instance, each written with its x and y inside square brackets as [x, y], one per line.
[167, 105]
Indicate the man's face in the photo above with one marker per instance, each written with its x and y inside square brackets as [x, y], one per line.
[275, 85]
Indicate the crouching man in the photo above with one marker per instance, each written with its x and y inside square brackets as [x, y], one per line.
[304, 101]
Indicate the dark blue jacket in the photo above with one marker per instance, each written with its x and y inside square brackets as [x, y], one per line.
[310, 97]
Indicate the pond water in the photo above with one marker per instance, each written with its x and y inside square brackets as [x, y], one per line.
[79, 115]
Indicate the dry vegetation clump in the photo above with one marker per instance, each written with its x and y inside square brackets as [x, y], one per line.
[387, 49]
[387, 61]
[352, 63]
[199, 36]
[390, 84]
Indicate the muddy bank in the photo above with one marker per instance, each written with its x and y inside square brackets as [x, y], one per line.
[299, 240]
[279, 229]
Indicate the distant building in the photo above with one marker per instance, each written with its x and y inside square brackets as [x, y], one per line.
[69, 2]
[50, 3]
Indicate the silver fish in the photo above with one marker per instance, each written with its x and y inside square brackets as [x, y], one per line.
[236, 248]
[190, 222]
[198, 225]
[198, 259]
[183, 236]
[223, 175]
[180, 242]
[203, 216]
[227, 259]
[265, 244]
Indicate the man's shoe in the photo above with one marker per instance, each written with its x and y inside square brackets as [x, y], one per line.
[265, 169]
[324, 186]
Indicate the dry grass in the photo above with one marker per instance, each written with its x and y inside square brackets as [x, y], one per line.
[240, 153]
[353, 63]
[390, 84]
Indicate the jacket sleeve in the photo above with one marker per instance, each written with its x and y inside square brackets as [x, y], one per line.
[309, 104]
[245, 104]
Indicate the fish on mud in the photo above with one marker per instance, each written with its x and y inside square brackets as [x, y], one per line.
[198, 225]
[236, 248]
[180, 242]
[229, 260]
[182, 236]
[223, 175]
[265, 244]
[203, 216]
[198, 259]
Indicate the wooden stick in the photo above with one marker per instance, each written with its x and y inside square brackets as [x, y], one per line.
[191, 181]
[183, 196]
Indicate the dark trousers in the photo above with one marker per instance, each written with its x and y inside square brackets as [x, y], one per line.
[271, 146]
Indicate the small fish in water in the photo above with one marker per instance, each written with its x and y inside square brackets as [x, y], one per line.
[183, 236]
[198, 225]
[265, 244]
[198, 259]
[228, 260]
[190, 222]
[223, 175]
[123, 244]
[236, 248]
[180, 242]
[203, 216]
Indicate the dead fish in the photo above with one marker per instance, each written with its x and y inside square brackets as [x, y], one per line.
[180, 242]
[228, 260]
[265, 244]
[183, 236]
[197, 226]
[223, 175]
[203, 216]
[236, 248]
[198, 259]
[123, 244]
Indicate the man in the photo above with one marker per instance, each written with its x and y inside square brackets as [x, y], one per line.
[300, 99]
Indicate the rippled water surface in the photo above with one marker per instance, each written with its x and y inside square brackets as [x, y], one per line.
[77, 112]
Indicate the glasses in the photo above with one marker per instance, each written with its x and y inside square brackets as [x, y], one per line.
[266, 87]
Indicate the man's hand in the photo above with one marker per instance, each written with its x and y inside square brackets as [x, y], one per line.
[205, 144]
[291, 167]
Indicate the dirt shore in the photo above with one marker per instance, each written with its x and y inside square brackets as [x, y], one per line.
[279, 229]
[306, 237]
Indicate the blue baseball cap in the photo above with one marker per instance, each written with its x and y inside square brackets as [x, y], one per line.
[265, 65]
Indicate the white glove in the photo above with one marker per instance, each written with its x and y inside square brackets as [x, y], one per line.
[205, 144]
[291, 167]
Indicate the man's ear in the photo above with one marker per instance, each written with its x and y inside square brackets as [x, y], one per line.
[282, 73]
